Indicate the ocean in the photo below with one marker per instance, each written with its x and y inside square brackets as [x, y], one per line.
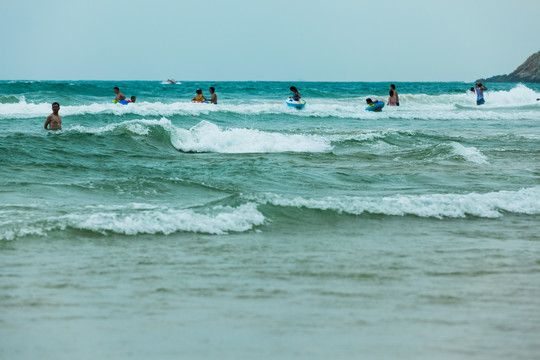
[165, 229]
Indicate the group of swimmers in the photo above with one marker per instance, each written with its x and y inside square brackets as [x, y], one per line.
[393, 98]
[54, 121]
[199, 97]
[122, 97]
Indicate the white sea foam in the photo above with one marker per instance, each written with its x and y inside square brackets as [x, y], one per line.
[143, 219]
[518, 96]
[167, 221]
[208, 137]
[489, 205]
[471, 154]
[137, 127]
[20, 230]
[413, 106]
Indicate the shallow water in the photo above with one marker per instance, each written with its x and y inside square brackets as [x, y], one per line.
[249, 229]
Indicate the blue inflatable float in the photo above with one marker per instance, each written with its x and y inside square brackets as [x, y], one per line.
[123, 102]
[299, 104]
[376, 106]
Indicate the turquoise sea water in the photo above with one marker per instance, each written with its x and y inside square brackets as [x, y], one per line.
[165, 229]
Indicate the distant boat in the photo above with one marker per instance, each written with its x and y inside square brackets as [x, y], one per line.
[171, 81]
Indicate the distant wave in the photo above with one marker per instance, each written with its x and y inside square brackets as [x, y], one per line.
[11, 99]
[489, 205]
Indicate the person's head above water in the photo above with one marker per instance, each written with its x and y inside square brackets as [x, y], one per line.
[55, 107]
[116, 90]
[393, 87]
[199, 91]
[293, 89]
[369, 101]
[133, 99]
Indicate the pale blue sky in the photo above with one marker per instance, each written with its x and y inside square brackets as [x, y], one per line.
[218, 40]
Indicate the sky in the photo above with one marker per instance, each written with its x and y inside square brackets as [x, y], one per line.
[274, 40]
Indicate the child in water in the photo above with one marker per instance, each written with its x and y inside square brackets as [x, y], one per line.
[371, 102]
[199, 97]
[376, 105]
[296, 95]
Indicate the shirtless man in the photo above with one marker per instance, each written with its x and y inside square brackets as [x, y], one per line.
[213, 98]
[54, 121]
[393, 100]
[119, 95]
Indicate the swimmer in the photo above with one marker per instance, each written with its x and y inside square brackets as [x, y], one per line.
[199, 97]
[213, 98]
[133, 99]
[376, 105]
[119, 95]
[371, 102]
[54, 121]
[480, 93]
[393, 99]
[296, 95]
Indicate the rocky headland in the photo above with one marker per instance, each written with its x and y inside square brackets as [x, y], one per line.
[529, 71]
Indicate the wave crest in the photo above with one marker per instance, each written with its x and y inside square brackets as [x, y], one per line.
[489, 205]
[138, 219]
[208, 137]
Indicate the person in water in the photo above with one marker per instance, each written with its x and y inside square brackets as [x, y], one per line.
[119, 95]
[371, 102]
[213, 97]
[54, 121]
[480, 93]
[296, 95]
[393, 99]
[376, 105]
[472, 90]
[199, 97]
[133, 99]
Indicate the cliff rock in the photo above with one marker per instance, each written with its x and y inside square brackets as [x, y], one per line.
[529, 71]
